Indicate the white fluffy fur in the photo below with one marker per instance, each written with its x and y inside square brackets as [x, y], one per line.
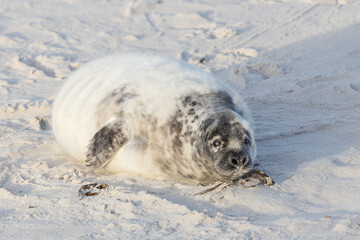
[158, 80]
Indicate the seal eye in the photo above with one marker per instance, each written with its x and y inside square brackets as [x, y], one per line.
[216, 143]
[247, 141]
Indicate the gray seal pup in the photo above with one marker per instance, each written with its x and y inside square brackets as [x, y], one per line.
[154, 116]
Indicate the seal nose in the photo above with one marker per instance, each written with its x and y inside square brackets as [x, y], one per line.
[238, 159]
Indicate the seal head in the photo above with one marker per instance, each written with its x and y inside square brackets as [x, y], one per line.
[228, 144]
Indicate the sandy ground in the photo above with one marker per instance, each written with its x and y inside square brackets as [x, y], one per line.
[297, 64]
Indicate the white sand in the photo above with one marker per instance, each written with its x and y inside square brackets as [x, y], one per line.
[297, 64]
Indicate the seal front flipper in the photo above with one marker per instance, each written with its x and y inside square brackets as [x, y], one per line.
[105, 143]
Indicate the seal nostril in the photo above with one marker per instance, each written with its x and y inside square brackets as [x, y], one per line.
[244, 160]
[235, 162]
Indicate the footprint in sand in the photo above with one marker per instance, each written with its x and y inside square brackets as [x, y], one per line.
[266, 70]
[222, 32]
[34, 63]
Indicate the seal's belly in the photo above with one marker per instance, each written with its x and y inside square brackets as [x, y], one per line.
[133, 157]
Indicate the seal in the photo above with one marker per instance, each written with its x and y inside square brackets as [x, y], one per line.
[154, 116]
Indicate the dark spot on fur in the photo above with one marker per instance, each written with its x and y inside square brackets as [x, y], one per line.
[179, 113]
[177, 145]
[196, 117]
[194, 103]
[119, 114]
[125, 97]
[120, 95]
[187, 100]
[187, 134]
[191, 111]
[176, 124]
